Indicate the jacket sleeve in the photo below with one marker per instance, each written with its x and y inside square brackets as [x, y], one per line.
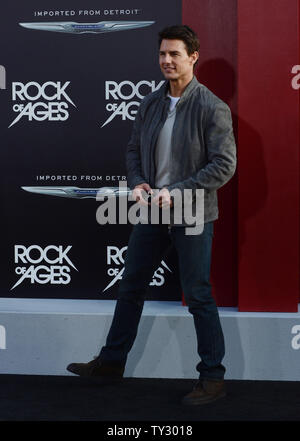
[220, 150]
[133, 154]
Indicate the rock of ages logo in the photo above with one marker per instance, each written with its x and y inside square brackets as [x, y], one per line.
[115, 260]
[124, 98]
[43, 265]
[40, 102]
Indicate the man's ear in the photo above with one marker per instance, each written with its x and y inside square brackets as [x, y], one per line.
[195, 57]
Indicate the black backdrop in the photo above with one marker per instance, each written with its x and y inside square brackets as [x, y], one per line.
[61, 139]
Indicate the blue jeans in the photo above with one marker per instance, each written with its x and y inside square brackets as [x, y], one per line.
[146, 248]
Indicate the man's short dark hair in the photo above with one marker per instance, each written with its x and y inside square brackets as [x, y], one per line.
[181, 32]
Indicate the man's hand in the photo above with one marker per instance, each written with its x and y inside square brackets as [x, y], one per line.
[163, 199]
[139, 191]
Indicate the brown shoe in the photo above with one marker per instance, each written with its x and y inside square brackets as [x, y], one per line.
[96, 368]
[205, 391]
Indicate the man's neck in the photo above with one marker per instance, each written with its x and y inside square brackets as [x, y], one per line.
[177, 87]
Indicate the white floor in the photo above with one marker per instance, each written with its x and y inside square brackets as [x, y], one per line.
[42, 336]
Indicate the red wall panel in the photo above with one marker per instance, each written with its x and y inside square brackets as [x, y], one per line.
[268, 178]
[247, 51]
[215, 23]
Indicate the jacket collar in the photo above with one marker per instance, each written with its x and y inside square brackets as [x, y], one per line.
[194, 83]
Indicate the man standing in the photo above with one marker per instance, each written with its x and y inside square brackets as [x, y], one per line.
[182, 139]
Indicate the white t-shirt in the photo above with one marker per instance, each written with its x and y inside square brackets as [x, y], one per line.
[163, 146]
[174, 101]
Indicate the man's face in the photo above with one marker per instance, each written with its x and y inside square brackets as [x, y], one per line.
[174, 61]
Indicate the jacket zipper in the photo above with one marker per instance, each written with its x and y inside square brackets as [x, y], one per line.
[154, 141]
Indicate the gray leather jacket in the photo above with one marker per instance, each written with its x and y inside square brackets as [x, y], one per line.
[203, 145]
